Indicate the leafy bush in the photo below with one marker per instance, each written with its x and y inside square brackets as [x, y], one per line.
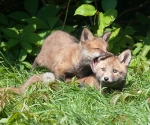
[23, 33]
[121, 38]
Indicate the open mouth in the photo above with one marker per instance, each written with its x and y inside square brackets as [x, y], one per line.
[94, 63]
[97, 59]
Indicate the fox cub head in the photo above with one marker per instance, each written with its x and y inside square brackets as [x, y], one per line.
[93, 47]
[112, 71]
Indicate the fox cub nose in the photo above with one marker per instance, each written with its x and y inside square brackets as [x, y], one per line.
[106, 78]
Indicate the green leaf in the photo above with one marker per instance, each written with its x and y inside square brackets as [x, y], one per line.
[52, 21]
[139, 45]
[148, 61]
[127, 40]
[12, 42]
[4, 120]
[21, 66]
[19, 26]
[88, 1]
[128, 30]
[11, 33]
[114, 34]
[27, 64]
[27, 46]
[31, 6]
[19, 16]
[38, 22]
[3, 19]
[138, 59]
[85, 10]
[143, 58]
[22, 55]
[32, 38]
[47, 11]
[2, 44]
[116, 49]
[136, 50]
[133, 63]
[104, 20]
[44, 33]
[114, 38]
[101, 24]
[28, 30]
[109, 4]
[145, 67]
[35, 51]
[145, 50]
[110, 15]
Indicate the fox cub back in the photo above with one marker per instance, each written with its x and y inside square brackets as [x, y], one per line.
[64, 55]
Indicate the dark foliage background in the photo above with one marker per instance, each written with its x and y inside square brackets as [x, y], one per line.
[25, 24]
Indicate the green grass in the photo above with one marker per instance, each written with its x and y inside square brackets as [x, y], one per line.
[66, 104]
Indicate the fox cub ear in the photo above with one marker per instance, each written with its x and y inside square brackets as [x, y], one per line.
[106, 36]
[125, 57]
[86, 35]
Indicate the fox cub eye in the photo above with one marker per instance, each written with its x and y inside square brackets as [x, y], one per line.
[103, 69]
[115, 71]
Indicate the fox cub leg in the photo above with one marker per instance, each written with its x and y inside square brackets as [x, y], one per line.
[59, 73]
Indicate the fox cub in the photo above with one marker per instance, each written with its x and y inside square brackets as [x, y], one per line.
[109, 72]
[65, 56]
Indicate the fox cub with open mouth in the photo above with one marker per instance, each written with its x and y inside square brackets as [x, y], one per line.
[64, 55]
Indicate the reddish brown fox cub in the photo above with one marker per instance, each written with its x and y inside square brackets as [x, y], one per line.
[109, 72]
[65, 56]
